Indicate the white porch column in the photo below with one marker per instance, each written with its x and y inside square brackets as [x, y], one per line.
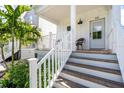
[73, 25]
[33, 72]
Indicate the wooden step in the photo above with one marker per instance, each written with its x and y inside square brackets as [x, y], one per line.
[117, 72]
[96, 59]
[95, 62]
[95, 56]
[109, 74]
[97, 80]
[64, 83]
[94, 51]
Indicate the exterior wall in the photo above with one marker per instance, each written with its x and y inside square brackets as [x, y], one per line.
[83, 29]
[32, 18]
[118, 37]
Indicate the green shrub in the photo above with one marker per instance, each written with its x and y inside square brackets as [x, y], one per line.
[18, 76]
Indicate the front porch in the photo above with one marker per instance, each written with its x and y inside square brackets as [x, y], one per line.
[85, 21]
[95, 65]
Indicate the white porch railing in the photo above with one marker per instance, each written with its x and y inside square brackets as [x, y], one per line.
[44, 72]
[48, 41]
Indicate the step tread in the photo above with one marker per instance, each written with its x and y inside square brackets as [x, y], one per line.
[67, 83]
[117, 72]
[96, 59]
[95, 51]
[98, 80]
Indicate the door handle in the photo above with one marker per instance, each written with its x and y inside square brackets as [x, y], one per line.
[90, 34]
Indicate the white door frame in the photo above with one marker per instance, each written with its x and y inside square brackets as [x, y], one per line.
[90, 33]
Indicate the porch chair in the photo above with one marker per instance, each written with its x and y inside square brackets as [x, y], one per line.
[80, 42]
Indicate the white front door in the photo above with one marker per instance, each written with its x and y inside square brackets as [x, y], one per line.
[97, 34]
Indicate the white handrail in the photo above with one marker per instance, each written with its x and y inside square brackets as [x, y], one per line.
[45, 57]
[52, 63]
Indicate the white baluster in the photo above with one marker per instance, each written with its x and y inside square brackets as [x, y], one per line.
[67, 46]
[49, 70]
[40, 78]
[53, 65]
[61, 55]
[58, 59]
[56, 62]
[45, 74]
[62, 52]
[65, 49]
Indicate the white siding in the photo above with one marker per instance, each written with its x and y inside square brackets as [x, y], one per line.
[118, 37]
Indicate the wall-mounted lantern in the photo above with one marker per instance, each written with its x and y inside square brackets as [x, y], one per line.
[80, 21]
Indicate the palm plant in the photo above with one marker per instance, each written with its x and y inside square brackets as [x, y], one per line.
[4, 39]
[12, 15]
[26, 34]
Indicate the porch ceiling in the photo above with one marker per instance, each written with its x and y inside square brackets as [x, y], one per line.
[57, 13]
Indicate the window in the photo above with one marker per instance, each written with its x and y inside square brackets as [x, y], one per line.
[122, 15]
[97, 35]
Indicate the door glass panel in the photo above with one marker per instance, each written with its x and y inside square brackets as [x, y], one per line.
[97, 32]
[97, 35]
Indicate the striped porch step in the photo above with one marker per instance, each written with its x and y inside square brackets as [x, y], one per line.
[92, 70]
[111, 64]
[89, 80]
[94, 51]
[111, 57]
[106, 73]
[65, 83]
